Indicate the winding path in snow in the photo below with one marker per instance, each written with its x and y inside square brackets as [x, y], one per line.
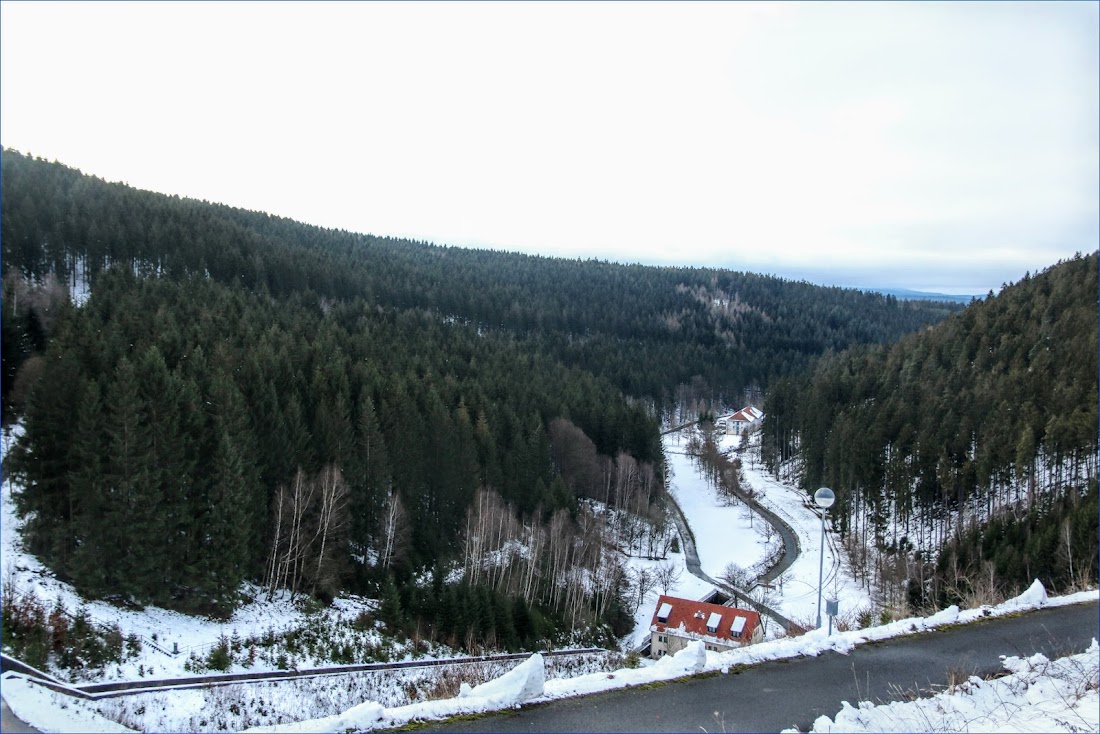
[691, 560]
[691, 555]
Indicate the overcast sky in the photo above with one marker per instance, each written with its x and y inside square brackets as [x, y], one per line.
[937, 146]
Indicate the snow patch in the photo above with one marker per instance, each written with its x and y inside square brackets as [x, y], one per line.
[519, 685]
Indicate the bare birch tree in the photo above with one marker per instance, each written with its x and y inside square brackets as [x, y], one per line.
[332, 526]
[667, 576]
[393, 534]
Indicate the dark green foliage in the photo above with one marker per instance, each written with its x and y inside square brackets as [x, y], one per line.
[224, 351]
[219, 657]
[646, 329]
[991, 413]
[390, 611]
[27, 633]
[35, 634]
[1056, 544]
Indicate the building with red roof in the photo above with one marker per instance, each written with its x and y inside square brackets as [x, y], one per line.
[739, 421]
[676, 622]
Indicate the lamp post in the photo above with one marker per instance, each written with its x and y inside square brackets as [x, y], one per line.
[824, 499]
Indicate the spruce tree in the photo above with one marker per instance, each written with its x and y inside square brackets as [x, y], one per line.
[133, 528]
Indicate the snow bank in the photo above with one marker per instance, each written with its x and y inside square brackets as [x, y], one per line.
[1034, 598]
[519, 685]
[43, 710]
[366, 715]
[692, 659]
[1039, 695]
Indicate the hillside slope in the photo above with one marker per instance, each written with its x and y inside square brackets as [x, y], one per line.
[993, 411]
[647, 329]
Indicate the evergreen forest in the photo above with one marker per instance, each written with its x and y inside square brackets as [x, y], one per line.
[210, 396]
[964, 455]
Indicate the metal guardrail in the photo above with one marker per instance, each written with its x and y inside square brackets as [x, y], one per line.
[97, 691]
[10, 664]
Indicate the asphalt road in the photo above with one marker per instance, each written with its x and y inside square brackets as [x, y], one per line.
[777, 695]
[691, 560]
[10, 723]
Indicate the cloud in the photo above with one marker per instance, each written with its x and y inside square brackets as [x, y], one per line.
[706, 133]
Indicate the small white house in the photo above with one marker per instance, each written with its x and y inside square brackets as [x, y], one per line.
[739, 421]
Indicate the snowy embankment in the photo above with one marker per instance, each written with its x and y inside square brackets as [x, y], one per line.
[1036, 695]
[527, 683]
[795, 594]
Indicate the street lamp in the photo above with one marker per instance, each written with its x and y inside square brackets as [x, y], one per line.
[824, 499]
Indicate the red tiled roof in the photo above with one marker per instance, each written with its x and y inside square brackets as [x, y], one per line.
[745, 415]
[693, 615]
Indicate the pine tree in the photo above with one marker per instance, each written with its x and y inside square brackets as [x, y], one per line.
[42, 460]
[227, 522]
[133, 530]
[390, 611]
[90, 495]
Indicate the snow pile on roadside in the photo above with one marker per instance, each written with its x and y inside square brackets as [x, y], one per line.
[1038, 695]
[691, 660]
[519, 685]
[47, 711]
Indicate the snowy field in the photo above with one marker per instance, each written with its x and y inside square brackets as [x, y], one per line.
[1037, 696]
[723, 535]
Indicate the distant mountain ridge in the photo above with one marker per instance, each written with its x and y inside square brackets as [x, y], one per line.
[910, 295]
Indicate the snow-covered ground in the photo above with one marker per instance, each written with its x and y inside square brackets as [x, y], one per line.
[359, 705]
[1038, 697]
[723, 535]
[796, 598]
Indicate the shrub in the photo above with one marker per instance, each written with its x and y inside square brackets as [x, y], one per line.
[219, 657]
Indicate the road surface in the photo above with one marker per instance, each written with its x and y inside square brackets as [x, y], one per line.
[781, 694]
[10, 723]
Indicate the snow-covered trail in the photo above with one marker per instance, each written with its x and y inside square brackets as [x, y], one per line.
[725, 534]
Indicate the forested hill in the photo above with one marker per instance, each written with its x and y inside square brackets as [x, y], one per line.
[647, 329]
[992, 412]
[244, 397]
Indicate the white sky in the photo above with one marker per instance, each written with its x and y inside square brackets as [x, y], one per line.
[939, 146]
